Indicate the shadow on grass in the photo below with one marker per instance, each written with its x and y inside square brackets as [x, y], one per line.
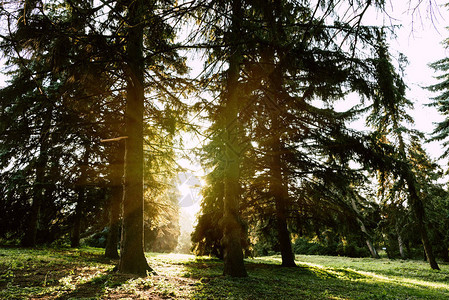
[270, 281]
[96, 287]
[86, 274]
[27, 273]
[91, 289]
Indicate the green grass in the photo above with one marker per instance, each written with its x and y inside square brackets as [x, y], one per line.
[85, 274]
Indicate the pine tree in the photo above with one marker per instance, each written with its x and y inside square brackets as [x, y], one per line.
[83, 53]
[302, 64]
[387, 117]
[292, 58]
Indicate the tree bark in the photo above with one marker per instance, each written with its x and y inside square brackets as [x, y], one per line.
[368, 242]
[419, 211]
[275, 74]
[288, 258]
[280, 194]
[132, 257]
[400, 242]
[80, 204]
[30, 237]
[115, 201]
[278, 184]
[76, 227]
[232, 229]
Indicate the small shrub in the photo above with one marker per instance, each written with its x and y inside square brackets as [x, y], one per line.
[351, 249]
[303, 246]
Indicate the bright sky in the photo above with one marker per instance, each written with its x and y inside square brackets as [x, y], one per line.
[420, 38]
[422, 44]
[421, 41]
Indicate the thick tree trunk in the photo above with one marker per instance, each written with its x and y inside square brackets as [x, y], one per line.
[115, 201]
[132, 257]
[232, 229]
[29, 239]
[280, 195]
[275, 74]
[278, 184]
[288, 258]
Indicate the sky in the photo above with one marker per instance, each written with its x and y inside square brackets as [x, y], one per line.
[421, 38]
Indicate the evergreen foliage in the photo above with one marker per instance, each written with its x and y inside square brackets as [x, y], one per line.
[67, 94]
[98, 93]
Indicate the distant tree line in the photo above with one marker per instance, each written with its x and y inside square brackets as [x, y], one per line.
[99, 91]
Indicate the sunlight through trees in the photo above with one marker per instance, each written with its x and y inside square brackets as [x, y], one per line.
[103, 126]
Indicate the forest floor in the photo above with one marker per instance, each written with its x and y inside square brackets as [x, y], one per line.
[83, 273]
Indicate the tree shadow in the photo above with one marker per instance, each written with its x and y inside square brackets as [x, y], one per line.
[270, 281]
[61, 273]
[96, 286]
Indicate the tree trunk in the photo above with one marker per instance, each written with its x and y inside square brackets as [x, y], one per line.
[275, 74]
[232, 229]
[274, 85]
[132, 257]
[370, 245]
[288, 258]
[29, 239]
[419, 211]
[76, 229]
[400, 242]
[115, 201]
[280, 194]
[81, 191]
[409, 250]
[278, 184]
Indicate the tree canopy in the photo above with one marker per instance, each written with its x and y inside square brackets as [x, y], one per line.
[99, 100]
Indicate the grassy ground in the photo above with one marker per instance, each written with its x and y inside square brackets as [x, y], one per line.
[85, 274]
